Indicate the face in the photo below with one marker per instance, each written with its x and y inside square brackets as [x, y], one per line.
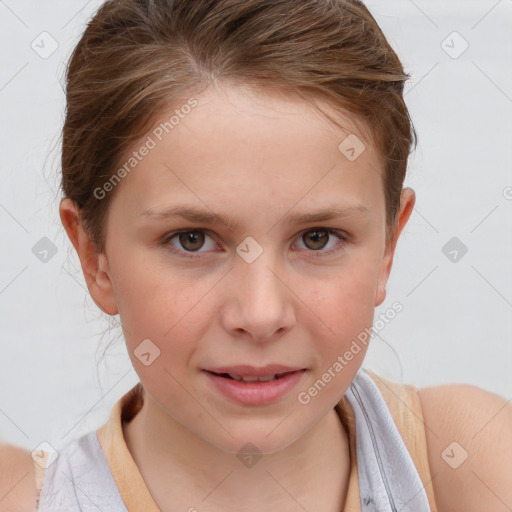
[248, 279]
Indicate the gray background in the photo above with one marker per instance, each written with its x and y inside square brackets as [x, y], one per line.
[456, 322]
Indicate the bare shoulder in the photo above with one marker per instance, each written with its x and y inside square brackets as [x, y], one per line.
[17, 479]
[469, 443]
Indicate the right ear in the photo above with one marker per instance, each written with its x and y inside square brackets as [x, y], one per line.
[94, 265]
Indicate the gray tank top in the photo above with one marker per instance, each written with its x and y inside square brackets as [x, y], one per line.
[80, 478]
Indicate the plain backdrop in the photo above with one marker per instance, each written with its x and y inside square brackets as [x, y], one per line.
[452, 270]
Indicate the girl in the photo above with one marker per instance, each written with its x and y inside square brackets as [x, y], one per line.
[233, 185]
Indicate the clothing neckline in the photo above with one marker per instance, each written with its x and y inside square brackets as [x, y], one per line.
[129, 481]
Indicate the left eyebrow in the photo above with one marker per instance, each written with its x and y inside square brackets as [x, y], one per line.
[326, 214]
[208, 217]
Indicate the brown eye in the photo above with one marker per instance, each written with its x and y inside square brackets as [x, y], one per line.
[319, 242]
[316, 239]
[190, 243]
[191, 240]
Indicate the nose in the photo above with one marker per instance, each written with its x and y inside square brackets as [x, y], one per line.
[258, 303]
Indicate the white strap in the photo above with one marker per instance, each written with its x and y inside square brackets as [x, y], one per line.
[388, 479]
[80, 480]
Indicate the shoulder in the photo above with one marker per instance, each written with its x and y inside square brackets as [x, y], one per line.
[17, 479]
[469, 443]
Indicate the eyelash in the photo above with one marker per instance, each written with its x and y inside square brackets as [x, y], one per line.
[316, 254]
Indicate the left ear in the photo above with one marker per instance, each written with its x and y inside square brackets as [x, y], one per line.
[407, 201]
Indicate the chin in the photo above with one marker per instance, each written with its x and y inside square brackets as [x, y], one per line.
[258, 441]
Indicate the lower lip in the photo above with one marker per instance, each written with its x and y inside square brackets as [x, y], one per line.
[255, 393]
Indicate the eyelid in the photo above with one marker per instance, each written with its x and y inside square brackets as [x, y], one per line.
[344, 238]
[187, 254]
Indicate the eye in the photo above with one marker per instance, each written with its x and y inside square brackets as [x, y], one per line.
[317, 239]
[190, 241]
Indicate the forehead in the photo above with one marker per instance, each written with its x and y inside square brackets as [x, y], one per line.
[239, 149]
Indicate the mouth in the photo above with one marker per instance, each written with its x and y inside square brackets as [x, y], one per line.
[252, 386]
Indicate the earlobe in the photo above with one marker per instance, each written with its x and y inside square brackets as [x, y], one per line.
[94, 265]
[104, 298]
[407, 201]
[380, 296]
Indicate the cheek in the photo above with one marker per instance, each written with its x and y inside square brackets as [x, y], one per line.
[151, 297]
[348, 295]
[161, 306]
[345, 303]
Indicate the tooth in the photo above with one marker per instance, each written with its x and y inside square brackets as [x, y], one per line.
[250, 379]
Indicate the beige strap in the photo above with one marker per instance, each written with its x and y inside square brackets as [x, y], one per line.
[128, 479]
[40, 458]
[405, 407]
[347, 417]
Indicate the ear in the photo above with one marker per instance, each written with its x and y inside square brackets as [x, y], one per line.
[94, 264]
[407, 201]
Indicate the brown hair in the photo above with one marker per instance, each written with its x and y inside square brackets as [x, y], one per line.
[137, 57]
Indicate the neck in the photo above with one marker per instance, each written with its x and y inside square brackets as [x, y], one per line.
[311, 473]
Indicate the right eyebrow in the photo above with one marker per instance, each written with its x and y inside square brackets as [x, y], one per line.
[190, 214]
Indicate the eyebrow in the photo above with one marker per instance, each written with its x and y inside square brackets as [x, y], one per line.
[208, 217]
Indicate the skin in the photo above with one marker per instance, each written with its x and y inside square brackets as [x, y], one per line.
[255, 160]
[252, 160]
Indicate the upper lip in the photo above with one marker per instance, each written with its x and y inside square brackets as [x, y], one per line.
[253, 371]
